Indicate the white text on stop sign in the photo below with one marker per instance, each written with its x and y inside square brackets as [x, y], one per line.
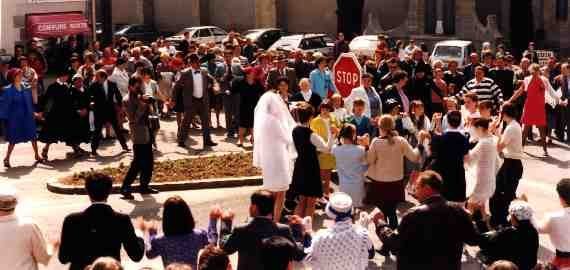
[344, 77]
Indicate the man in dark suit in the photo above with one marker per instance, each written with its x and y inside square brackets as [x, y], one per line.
[448, 151]
[431, 235]
[281, 70]
[562, 82]
[185, 43]
[396, 92]
[98, 231]
[469, 70]
[138, 110]
[247, 239]
[104, 99]
[194, 88]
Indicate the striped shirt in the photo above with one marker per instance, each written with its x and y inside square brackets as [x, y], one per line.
[486, 89]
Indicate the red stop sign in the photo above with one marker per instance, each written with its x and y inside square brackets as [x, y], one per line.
[346, 73]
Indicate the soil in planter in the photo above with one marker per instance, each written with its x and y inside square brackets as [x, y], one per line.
[223, 166]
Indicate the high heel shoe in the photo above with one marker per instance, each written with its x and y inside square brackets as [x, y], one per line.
[7, 164]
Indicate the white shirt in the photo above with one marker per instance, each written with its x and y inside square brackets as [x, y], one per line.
[198, 83]
[307, 95]
[105, 88]
[512, 138]
[24, 244]
[556, 226]
[121, 78]
[344, 246]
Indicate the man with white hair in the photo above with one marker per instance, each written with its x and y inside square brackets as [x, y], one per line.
[343, 246]
[24, 242]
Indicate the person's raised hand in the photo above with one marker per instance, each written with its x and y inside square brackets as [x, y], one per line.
[216, 212]
[228, 215]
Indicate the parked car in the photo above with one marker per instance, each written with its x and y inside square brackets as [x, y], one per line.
[201, 34]
[458, 50]
[142, 32]
[366, 44]
[264, 37]
[306, 42]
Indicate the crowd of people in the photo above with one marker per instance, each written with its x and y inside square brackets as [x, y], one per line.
[430, 130]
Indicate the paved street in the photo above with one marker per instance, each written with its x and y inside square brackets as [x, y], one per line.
[49, 209]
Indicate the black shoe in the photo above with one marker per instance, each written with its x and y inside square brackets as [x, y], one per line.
[149, 190]
[384, 251]
[126, 148]
[181, 145]
[127, 195]
[210, 143]
[94, 153]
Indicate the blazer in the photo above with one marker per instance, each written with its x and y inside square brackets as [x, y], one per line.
[184, 88]
[562, 83]
[138, 114]
[246, 240]
[104, 106]
[96, 232]
[315, 100]
[430, 236]
[275, 74]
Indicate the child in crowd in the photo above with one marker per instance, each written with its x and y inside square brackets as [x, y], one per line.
[306, 180]
[339, 111]
[361, 121]
[351, 163]
[482, 162]
[321, 125]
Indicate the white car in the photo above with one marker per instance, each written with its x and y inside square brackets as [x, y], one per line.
[306, 42]
[200, 34]
[458, 50]
[364, 45]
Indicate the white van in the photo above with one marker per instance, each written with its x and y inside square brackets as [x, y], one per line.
[458, 50]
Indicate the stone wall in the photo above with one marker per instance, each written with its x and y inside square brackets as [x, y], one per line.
[127, 12]
[238, 14]
[175, 15]
[310, 16]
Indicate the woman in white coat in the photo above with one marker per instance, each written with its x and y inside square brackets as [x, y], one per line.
[273, 148]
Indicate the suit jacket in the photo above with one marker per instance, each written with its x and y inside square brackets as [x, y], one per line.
[184, 88]
[246, 240]
[98, 231]
[138, 113]
[275, 74]
[390, 93]
[315, 100]
[431, 236]
[104, 106]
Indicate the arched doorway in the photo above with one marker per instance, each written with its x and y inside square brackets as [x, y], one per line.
[349, 14]
[522, 26]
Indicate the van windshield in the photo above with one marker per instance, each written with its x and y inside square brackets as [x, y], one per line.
[448, 51]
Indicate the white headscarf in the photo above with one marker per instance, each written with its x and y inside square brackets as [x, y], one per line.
[272, 130]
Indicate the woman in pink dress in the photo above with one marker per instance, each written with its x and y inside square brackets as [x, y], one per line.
[537, 87]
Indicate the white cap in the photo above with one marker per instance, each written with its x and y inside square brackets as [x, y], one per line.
[339, 206]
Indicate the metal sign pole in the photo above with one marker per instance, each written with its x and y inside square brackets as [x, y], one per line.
[93, 21]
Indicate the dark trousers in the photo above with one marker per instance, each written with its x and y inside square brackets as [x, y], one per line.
[143, 162]
[508, 179]
[97, 133]
[231, 111]
[563, 124]
[198, 107]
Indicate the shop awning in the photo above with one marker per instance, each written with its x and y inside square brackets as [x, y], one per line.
[45, 25]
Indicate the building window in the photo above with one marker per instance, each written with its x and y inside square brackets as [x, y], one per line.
[443, 10]
[562, 10]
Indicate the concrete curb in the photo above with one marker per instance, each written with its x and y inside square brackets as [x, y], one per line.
[59, 188]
